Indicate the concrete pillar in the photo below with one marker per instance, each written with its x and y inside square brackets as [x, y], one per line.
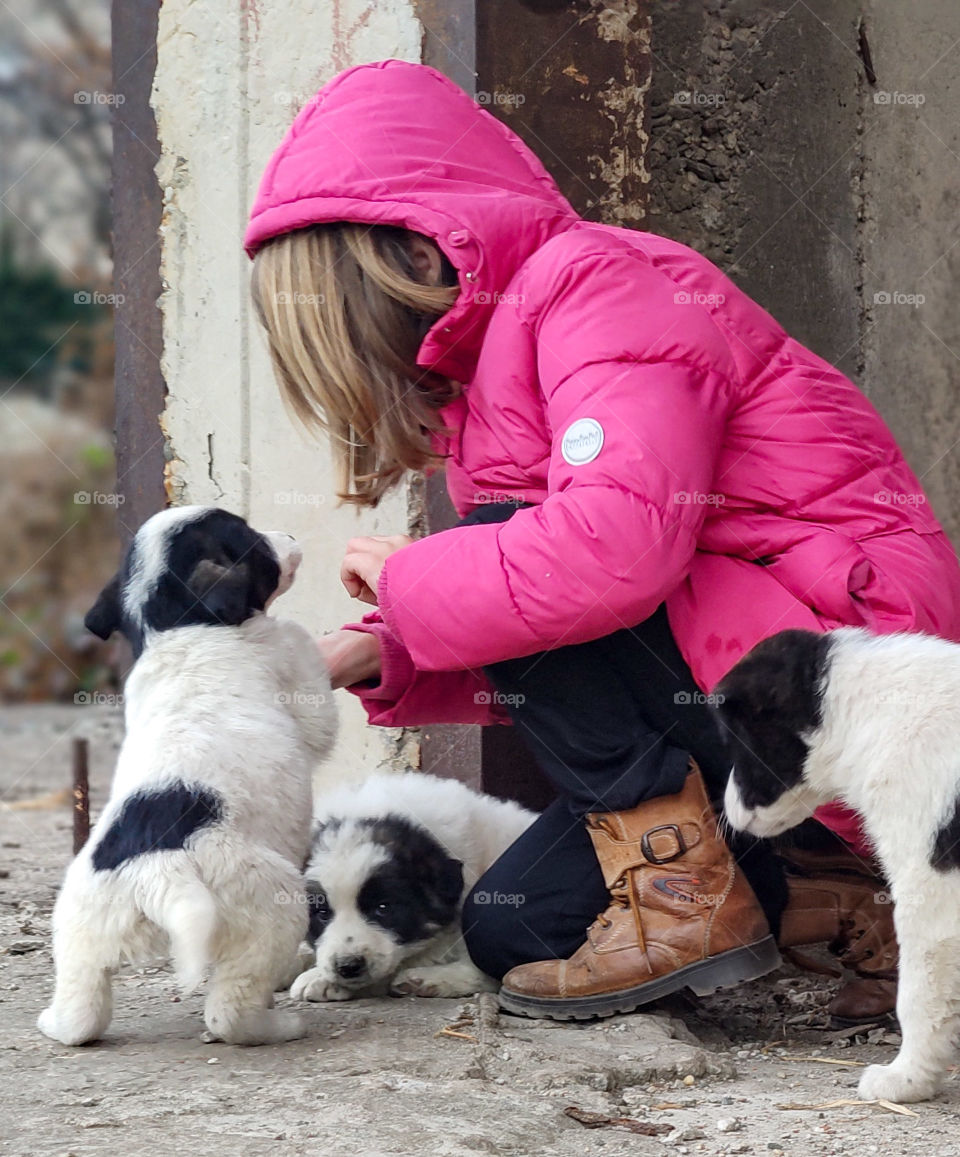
[911, 240]
[230, 78]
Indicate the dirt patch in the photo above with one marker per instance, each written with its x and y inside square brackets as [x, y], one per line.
[374, 1077]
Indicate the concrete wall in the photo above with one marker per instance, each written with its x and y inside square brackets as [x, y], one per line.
[230, 78]
[823, 192]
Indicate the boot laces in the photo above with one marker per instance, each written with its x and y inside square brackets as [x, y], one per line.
[619, 898]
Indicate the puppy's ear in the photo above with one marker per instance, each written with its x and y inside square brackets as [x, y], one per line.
[447, 885]
[104, 616]
[221, 591]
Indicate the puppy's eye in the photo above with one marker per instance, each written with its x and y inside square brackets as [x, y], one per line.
[318, 903]
[383, 907]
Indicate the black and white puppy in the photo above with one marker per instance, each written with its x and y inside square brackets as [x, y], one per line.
[873, 721]
[199, 851]
[392, 861]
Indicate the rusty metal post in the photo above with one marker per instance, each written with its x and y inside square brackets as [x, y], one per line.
[81, 793]
[137, 207]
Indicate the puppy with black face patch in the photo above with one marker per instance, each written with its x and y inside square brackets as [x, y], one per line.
[199, 851]
[391, 863]
[874, 721]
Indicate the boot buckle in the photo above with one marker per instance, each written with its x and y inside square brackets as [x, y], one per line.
[662, 844]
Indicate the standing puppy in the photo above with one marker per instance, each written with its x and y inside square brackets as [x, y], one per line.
[199, 851]
[873, 721]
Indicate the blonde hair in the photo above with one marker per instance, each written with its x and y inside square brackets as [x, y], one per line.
[345, 313]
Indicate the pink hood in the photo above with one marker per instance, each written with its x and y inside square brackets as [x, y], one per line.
[364, 150]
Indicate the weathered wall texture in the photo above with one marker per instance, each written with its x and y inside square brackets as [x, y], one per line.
[827, 193]
[911, 243]
[572, 81]
[230, 77]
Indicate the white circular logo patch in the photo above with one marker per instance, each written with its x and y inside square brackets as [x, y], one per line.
[582, 442]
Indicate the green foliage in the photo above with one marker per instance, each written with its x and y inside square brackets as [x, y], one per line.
[36, 310]
[96, 457]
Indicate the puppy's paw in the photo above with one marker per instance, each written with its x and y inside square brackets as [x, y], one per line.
[890, 1083]
[47, 1024]
[50, 1025]
[313, 985]
[412, 983]
[264, 1026]
[440, 980]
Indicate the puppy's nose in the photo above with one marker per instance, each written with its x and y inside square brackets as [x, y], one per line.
[350, 967]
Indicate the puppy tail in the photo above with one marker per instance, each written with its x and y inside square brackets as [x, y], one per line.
[189, 917]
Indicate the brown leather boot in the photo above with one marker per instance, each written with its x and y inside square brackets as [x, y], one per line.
[840, 901]
[681, 915]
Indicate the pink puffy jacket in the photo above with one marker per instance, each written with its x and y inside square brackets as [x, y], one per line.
[678, 444]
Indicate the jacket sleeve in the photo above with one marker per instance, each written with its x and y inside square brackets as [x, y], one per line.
[635, 380]
[406, 697]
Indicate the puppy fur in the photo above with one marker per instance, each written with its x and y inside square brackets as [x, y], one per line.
[873, 721]
[199, 850]
[391, 863]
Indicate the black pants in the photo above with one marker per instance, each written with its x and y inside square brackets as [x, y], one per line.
[611, 722]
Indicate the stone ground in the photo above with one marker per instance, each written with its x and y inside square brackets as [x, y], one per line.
[748, 1072]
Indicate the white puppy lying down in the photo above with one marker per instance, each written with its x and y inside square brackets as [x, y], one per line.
[391, 863]
[199, 850]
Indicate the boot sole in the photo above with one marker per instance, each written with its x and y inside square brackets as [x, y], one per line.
[703, 978]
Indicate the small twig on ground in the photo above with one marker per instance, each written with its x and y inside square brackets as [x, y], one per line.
[890, 1106]
[449, 1030]
[599, 1120]
[46, 802]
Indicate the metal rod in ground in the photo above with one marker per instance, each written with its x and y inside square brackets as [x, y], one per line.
[81, 793]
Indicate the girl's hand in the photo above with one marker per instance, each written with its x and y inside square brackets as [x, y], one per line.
[351, 656]
[363, 562]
